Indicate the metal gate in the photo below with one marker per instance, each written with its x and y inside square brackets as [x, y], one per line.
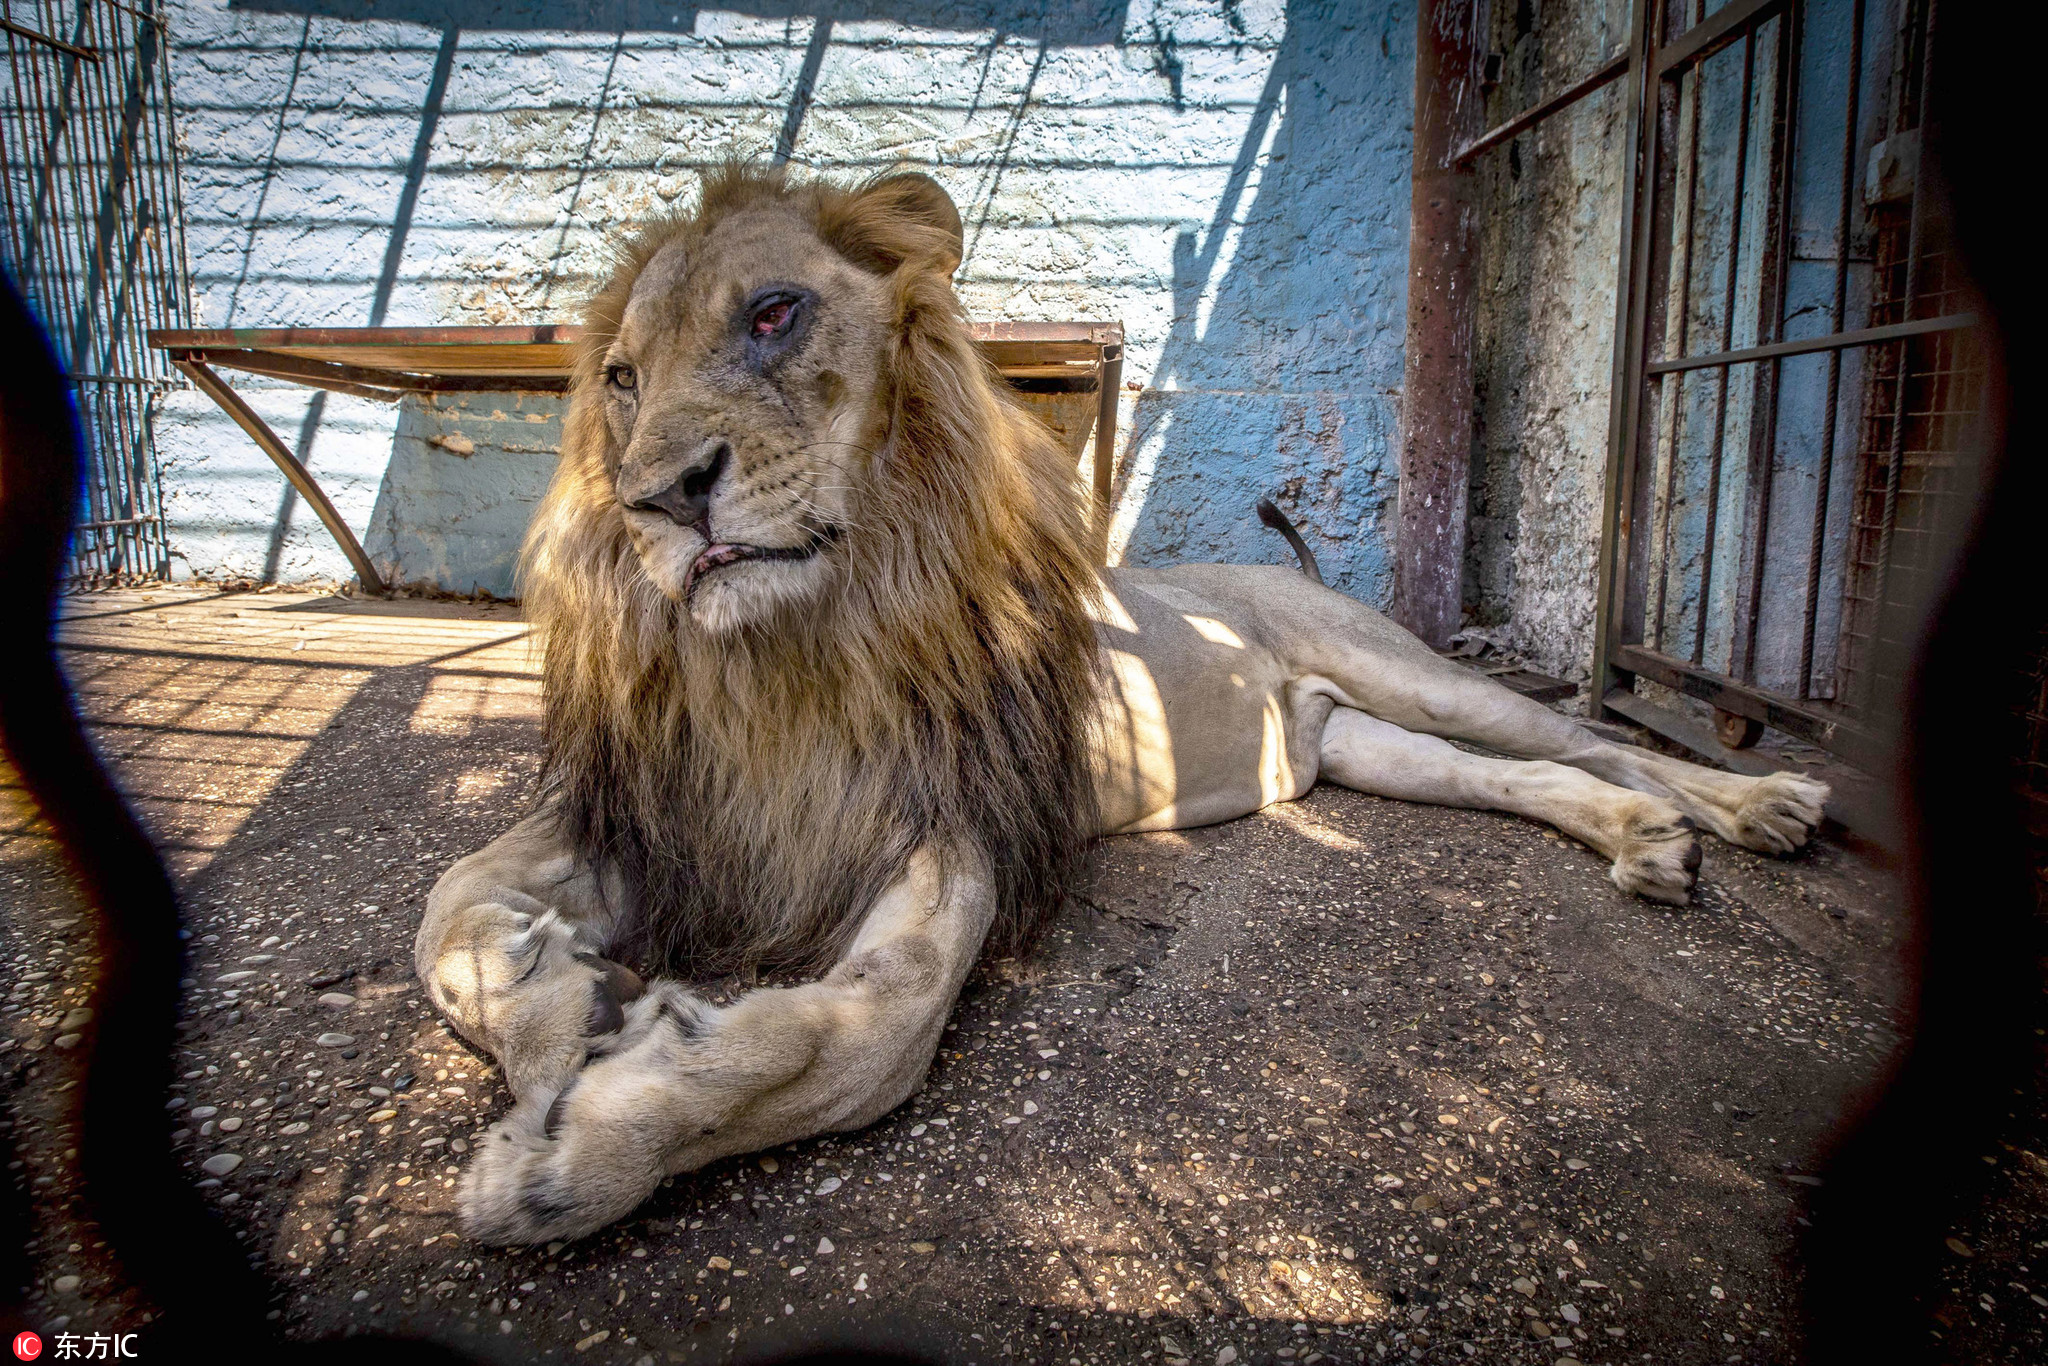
[1796, 371]
[95, 237]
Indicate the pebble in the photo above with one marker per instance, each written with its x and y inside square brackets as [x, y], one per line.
[64, 1285]
[1524, 1286]
[228, 1126]
[825, 1248]
[1030, 1107]
[202, 1112]
[337, 1000]
[220, 1164]
[828, 1185]
[770, 1165]
[229, 978]
[921, 1247]
[295, 1128]
[585, 1344]
[68, 1041]
[1575, 1164]
[862, 1283]
[379, 1116]
[1226, 1356]
[76, 1019]
[335, 1040]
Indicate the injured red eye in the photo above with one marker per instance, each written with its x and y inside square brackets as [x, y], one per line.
[772, 319]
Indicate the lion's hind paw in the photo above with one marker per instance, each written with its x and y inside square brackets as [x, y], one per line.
[1659, 856]
[1780, 813]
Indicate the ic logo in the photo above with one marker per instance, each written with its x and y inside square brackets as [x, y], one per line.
[27, 1346]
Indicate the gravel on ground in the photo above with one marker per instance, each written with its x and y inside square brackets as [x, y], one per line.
[1350, 1080]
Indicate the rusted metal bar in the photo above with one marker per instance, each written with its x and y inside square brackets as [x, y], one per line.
[1817, 543]
[1606, 74]
[1720, 442]
[1837, 341]
[560, 334]
[312, 375]
[281, 455]
[1830, 732]
[278, 338]
[85, 54]
[1618, 589]
[367, 382]
[1437, 393]
[1735, 20]
[1763, 436]
[280, 366]
[1109, 385]
[1674, 88]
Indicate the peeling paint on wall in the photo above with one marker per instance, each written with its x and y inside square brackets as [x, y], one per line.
[1228, 177]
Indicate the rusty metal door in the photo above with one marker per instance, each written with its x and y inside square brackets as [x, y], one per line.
[1796, 370]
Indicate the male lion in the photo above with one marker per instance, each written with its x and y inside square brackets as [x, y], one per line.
[833, 689]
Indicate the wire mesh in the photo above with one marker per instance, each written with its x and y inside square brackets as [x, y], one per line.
[94, 235]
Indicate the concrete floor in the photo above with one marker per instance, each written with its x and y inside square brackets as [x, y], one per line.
[1349, 1080]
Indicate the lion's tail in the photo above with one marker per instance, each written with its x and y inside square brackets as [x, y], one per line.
[1276, 519]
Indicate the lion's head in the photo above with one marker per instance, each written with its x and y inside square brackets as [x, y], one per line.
[812, 587]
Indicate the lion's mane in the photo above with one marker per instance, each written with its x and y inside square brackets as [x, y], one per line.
[751, 794]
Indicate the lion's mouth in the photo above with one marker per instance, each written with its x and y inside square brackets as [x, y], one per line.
[716, 557]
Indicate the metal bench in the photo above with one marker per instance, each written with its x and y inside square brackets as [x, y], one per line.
[1051, 364]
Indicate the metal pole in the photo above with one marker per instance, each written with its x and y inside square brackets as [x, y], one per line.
[281, 455]
[1109, 381]
[1437, 394]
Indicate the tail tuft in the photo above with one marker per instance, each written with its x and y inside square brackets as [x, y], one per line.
[1276, 519]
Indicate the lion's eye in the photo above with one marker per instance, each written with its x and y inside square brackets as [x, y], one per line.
[773, 318]
[621, 376]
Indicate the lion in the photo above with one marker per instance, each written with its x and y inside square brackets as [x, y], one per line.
[833, 690]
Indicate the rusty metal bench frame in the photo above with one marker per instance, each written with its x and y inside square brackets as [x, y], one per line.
[386, 363]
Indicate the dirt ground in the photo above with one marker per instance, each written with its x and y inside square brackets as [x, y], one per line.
[1350, 1080]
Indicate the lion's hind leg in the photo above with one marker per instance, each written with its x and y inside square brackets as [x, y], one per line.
[1649, 840]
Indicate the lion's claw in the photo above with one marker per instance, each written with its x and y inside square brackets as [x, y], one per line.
[614, 986]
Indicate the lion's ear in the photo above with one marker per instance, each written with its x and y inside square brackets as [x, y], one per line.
[895, 219]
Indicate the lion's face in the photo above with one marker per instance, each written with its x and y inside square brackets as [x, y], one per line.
[740, 394]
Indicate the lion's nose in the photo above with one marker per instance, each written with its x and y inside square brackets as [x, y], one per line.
[687, 501]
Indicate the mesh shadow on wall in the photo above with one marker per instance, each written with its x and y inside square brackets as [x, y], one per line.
[1062, 23]
[1279, 354]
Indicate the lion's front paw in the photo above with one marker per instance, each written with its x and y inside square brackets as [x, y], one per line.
[1659, 856]
[565, 1163]
[546, 1172]
[1780, 813]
